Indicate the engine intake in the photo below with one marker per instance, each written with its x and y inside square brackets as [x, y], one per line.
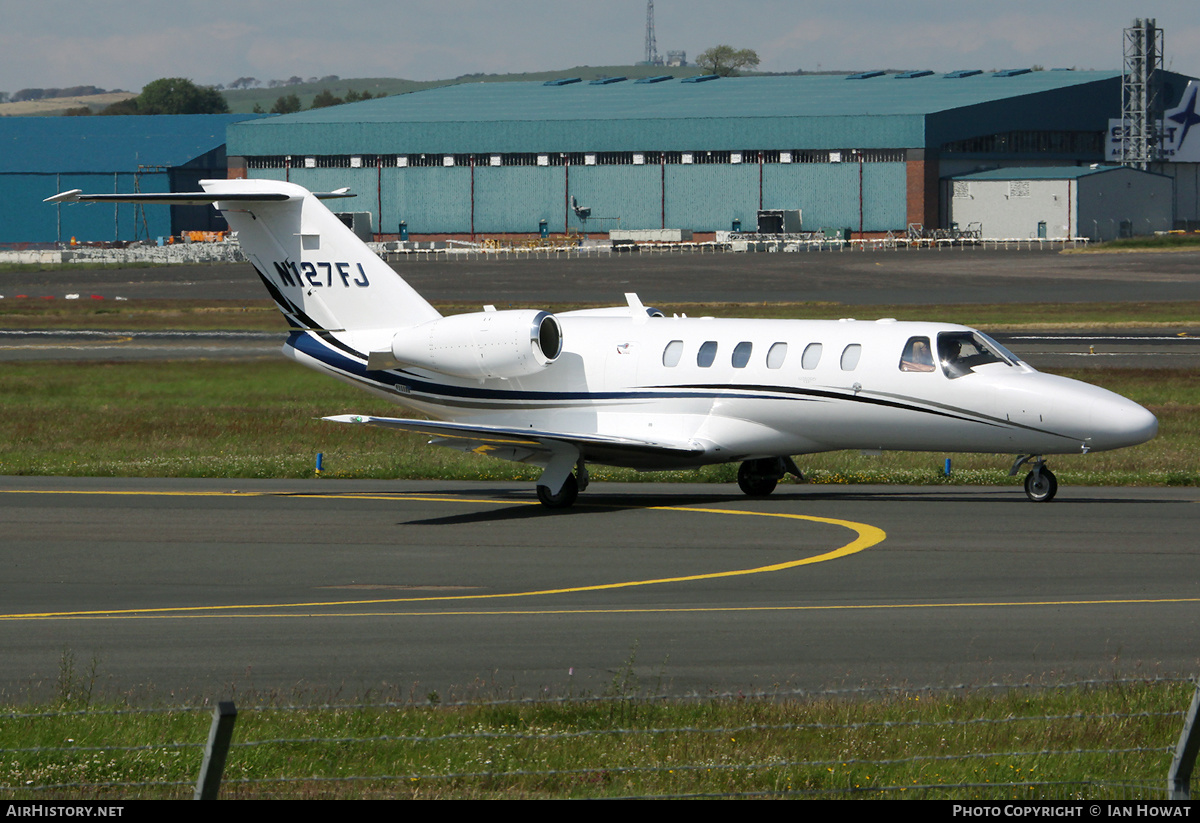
[482, 344]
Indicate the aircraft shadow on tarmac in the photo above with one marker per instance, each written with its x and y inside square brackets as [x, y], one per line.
[601, 503]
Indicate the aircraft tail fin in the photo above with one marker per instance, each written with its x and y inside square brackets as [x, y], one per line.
[315, 268]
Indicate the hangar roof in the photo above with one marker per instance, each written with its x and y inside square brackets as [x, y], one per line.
[1046, 172]
[791, 96]
[913, 110]
[47, 145]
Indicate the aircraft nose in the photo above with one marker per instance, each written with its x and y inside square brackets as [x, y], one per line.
[1118, 422]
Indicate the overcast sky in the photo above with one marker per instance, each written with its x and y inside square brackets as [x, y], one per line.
[126, 44]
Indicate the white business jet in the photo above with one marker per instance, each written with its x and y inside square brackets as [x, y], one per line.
[627, 386]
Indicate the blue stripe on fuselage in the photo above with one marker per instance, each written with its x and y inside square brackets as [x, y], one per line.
[309, 344]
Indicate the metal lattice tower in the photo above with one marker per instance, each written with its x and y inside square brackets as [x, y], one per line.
[1141, 116]
[652, 58]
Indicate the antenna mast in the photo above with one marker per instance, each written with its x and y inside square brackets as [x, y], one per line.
[652, 58]
[1141, 118]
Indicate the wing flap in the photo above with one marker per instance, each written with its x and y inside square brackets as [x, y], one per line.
[618, 451]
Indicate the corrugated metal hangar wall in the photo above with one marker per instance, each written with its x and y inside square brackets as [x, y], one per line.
[45, 155]
[865, 151]
[502, 199]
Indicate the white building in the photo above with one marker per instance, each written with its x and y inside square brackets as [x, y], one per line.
[1101, 203]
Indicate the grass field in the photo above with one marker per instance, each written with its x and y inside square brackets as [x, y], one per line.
[260, 418]
[1164, 242]
[1025, 744]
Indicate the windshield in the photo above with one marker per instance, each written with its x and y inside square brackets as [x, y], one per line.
[999, 349]
[960, 353]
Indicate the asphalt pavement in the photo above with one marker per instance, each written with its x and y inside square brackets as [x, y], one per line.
[902, 277]
[323, 587]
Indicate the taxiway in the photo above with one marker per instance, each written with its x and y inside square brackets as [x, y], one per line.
[343, 587]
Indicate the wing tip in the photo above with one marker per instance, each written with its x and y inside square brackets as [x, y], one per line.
[65, 196]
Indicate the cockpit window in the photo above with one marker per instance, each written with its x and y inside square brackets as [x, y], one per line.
[998, 349]
[960, 353]
[917, 355]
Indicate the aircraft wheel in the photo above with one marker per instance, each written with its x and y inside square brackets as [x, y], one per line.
[753, 482]
[564, 499]
[1041, 486]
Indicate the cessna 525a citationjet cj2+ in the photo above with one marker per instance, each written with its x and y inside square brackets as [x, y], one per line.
[626, 386]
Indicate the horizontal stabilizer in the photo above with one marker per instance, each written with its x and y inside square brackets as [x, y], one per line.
[318, 271]
[187, 198]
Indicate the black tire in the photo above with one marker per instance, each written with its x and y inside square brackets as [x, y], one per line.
[1041, 486]
[564, 499]
[752, 482]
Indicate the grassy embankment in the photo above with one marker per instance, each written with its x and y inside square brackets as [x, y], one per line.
[1020, 744]
[1160, 242]
[261, 418]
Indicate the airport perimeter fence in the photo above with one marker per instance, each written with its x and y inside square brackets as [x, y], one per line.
[176, 254]
[761, 246]
[992, 743]
[230, 252]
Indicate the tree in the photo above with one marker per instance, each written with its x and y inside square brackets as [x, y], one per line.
[325, 99]
[128, 106]
[726, 60]
[178, 95]
[286, 104]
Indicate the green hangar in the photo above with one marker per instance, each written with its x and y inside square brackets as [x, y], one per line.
[866, 152]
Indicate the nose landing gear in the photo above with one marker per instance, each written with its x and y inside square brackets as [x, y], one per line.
[1040, 484]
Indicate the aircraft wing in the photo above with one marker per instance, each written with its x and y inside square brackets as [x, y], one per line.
[618, 451]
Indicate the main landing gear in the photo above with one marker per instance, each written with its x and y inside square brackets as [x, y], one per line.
[576, 482]
[758, 478]
[1040, 484]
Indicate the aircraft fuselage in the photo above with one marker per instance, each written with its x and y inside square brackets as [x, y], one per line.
[745, 389]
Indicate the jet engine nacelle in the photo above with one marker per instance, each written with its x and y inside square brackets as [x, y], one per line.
[483, 344]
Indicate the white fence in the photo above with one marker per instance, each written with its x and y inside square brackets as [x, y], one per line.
[230, 252]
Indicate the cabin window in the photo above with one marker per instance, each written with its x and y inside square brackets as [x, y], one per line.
[917, 355]
[776, 355]
[707, 354]
[850, 356]
[672, 353]
[741, 354]
[811, 356]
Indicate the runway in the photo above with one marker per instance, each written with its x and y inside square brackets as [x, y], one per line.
[210, 587]
[1042, 350]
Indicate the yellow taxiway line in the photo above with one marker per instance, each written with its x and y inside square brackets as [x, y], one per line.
[867, 536]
